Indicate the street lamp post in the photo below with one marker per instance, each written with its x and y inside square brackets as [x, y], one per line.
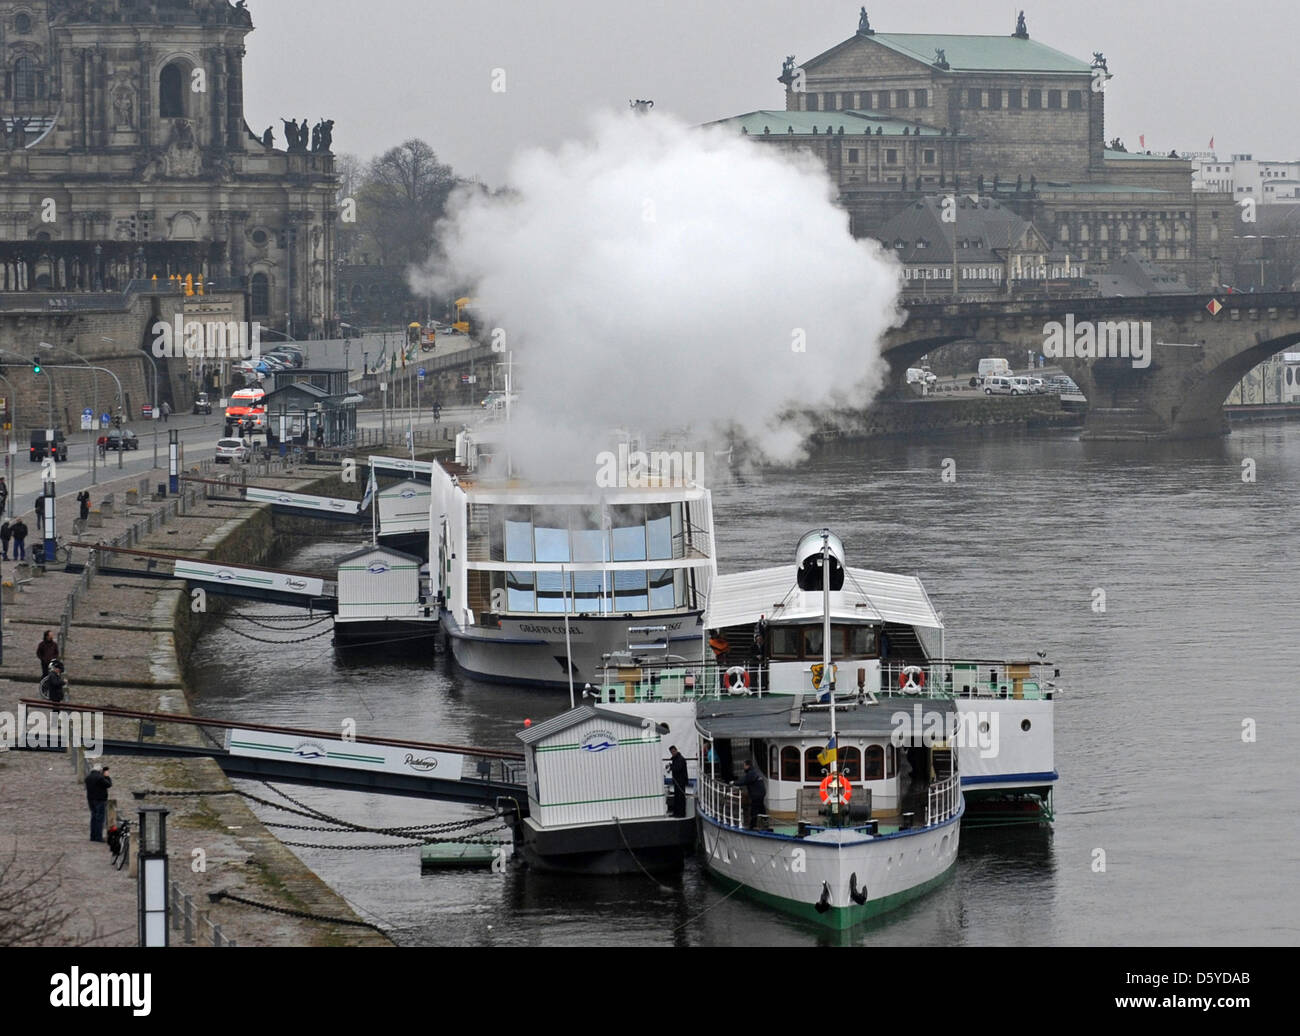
[94, 381]
[103, 370]
[13, 423]
[154, 411]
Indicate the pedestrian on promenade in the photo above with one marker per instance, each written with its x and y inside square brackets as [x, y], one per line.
[47, 651]
[83, 499]
[166, 411]
[53, 686]
[4, 494]
[97, 784]
[40, 509]
[19, 531]
[5, 533]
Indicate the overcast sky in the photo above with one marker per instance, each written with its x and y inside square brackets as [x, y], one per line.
[387, 70]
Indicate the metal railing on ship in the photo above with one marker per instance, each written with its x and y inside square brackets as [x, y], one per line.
[718, 801]
[943, 799]
[969, 678]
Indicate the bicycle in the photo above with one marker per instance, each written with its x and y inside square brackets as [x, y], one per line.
[119, 842]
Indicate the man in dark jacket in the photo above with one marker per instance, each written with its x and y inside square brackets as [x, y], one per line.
[53, 686]
[19, 531]
[47, 651]
[97, 784]
[753, 781]
[677, 768]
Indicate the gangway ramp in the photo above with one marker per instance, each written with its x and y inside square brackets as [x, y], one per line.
[319, 758]
[274, 585]
[282, 501]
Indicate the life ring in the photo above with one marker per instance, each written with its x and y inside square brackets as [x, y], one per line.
[736, 680]
[912, 678]
[846, 789]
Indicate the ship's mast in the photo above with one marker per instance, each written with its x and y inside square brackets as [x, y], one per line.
[826, 664]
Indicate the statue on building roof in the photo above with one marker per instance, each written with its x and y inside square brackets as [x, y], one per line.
[787, 71]
[1022, 30]
[864, 24]
[1117, 145]
[268, 138]
[940, 58]
[1099, 61]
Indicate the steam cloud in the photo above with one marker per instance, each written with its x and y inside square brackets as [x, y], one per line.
[658, 276]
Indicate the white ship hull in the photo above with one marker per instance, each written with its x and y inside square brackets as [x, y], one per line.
[531, 650]
[791, 874]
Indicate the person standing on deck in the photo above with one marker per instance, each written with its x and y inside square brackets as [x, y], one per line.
[753, 781]
[677, 768]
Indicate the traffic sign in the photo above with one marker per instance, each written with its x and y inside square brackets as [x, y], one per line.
[105, 420]
[87, 419]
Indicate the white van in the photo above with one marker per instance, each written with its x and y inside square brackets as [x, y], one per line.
[997, 385]
[1023, 386]
[993, 365]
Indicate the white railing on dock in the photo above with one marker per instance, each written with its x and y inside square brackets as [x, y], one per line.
[943, 799]
[718, 801]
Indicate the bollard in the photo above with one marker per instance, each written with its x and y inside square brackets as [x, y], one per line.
[96, 520]
[132, 497]
[188, 901]
[106, 507]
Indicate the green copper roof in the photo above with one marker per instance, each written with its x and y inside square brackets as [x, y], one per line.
[981, 53]
[856, 123]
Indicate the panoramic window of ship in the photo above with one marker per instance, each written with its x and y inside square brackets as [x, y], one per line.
[536, 536]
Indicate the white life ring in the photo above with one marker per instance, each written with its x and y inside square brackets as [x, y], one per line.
[736, 680]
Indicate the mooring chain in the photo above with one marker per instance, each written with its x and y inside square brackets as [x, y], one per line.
[472, 840]
[280, 643]
[217, 897]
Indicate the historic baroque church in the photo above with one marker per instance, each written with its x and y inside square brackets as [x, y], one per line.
[126, 156]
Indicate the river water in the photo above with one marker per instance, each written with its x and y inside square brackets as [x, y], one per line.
[1172, 827]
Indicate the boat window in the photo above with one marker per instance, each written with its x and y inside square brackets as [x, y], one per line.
[519, 534]
[661, 590]
[551, 534]
[784, 640]
[812, 642]
[874, 767]
[773, 757]
[628, 532]
[589, 545]
[659, 531]
[520, 595]
[550, 592]
[813, 770]
[790, 763]
[588, 593]
[891, 761]
[862, 641]
[851, 762]
[630, 592]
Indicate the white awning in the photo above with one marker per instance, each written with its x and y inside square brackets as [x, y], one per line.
[740, 599]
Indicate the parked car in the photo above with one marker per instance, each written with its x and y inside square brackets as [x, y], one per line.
[997, 385]
[202, 404]
[1025, 385]
[122, 439]
[289, 359]
[40, 445]
[229, 450]
[496, 400]
[920, 375]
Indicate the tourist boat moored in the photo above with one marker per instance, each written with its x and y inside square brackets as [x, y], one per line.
[880, 827]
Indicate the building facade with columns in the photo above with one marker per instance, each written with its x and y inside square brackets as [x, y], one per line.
[126, 157]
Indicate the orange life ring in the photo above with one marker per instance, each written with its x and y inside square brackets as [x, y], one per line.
[905, 678]
[736, 680]
[846, 789]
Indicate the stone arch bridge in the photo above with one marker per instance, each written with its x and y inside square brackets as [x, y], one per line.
[1196, 356]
